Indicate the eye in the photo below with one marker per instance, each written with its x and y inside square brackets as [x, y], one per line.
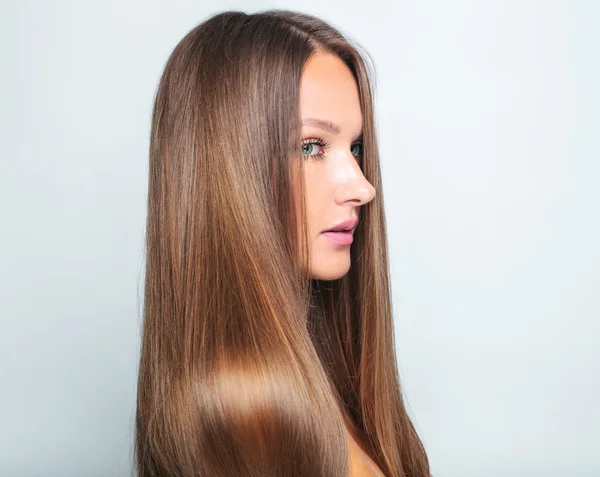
[310, 147]
[357, 149]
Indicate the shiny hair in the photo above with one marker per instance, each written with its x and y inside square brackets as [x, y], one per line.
[249, 367]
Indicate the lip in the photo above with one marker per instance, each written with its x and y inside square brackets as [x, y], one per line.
[346, 225]
[339, 238]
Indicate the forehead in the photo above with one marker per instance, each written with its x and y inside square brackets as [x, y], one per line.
[328, 91]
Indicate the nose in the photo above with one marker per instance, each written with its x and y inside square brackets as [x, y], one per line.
[352, 184]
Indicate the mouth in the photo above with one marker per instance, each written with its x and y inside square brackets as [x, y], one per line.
[343, 237]
[342, 233]
[346, 226]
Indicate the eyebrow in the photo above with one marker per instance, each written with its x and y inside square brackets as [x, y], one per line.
[326, 126]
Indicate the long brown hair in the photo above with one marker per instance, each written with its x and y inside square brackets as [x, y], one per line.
[248, 366]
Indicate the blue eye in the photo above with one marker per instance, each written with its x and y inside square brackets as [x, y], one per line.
[310, 148]
[357, 149]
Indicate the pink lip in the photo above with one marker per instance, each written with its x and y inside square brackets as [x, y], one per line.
[339, 238]
[345, 226]
[344, 232]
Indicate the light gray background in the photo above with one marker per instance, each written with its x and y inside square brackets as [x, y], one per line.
[489, 129]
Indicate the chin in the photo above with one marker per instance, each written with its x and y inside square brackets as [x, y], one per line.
[331, 272]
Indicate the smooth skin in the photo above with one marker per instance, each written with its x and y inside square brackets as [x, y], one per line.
[335, 185]
[336, 188]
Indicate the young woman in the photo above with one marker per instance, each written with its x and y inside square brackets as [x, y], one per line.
[267, 341]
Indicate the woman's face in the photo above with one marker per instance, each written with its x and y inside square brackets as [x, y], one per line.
[332, 148]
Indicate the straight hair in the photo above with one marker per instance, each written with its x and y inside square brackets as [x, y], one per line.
[249, 367]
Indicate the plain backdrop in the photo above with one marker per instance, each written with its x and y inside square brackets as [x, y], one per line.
[488, 116]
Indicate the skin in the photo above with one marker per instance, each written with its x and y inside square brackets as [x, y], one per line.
[335, 185]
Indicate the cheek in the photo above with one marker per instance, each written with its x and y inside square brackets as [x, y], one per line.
[317, 198]
[311, 188]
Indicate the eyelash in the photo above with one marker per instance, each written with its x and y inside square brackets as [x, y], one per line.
[324, 144]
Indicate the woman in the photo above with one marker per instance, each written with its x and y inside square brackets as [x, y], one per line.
[267, 346]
